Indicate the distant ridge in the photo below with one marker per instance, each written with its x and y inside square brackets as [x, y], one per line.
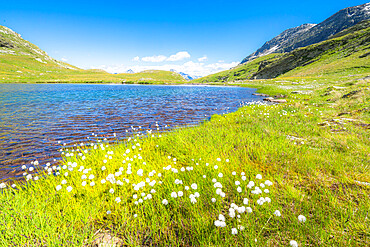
[308, 34]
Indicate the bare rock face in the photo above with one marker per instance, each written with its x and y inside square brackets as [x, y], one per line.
[308, 34]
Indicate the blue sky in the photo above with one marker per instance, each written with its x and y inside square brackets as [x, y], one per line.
[196, 37]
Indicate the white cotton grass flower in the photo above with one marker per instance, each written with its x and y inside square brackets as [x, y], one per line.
[239, 189]
[109, 212]
[220, 223]
[293, 243]
[220, 175]
[180, 193]
[63, 182]
[259, 176]
[118, 199]
[216, 167]
[24, 167]
[266, 191]
[237, 183]
[301, 218]
[233, 173]
[249, 209]
[234, 231]
[91, 176]
[173, 194]
[83, 183]
[213, 200]
[277, 213]
[69, 188]
[244, 178]
[58, 187]
[218, 159]
[194, 186]
[245, 201]
[268, 182]
[164, 202]
[103, 181]
[111, 191]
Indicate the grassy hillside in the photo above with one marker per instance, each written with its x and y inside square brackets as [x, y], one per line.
[347, 54]
[22, 61]
[241, 72]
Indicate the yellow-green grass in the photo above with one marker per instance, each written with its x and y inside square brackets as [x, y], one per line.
[314, 149]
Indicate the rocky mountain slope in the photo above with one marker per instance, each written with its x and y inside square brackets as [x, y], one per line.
[347, 53]
[308, 34]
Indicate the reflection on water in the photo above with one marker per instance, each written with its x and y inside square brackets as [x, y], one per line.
[34, 117]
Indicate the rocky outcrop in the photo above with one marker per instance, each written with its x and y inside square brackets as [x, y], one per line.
[308, 34]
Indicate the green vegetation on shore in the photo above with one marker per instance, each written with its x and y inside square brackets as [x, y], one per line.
[314, 149]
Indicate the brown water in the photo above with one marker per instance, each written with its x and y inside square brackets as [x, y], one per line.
[35, 117]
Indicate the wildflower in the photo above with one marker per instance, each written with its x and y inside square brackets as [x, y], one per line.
[220, 175]
[69, 188]
[293, 243]
[204, 176]
[239, 189]
[277, 213]
[140, 200]
[241, 228]
[237, 183]
[14, 185]
[152, 191]
[174, 194]
[135, 215]
[218, 159]
[260, 201]
[92, 183]
[149, 196]
[221, 217]
[301, 218]
[63, 182]
[216, 166]
[233, 173]
[249, 209]
[180, 193]
[213, 200]
[111, 191]
[267, 199]
[241, 209]
[244, 178]
[245, 201]
[103, 181]
[24, 167]
[234, 231]
[196, 194]
[118, 199]
[268, 182]
[91, 177]
[140, 172]
[219, 223]
[164, 202]
[232, 212]
[218, 185]
[214, 180]
[109, 212]
[259, 176]
[262, 185]
[266, 191]
[193, 200]
[227, 160]
[194, 186]
[83, 183]
[31, 169]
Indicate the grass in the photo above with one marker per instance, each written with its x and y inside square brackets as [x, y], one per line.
[314, 149]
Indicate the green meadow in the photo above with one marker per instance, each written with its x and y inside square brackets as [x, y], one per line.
[266, 175]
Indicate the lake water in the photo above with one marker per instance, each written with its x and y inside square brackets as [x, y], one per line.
[34, 117]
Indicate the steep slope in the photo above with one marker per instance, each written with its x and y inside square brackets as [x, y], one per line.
[345, 54]
[308, 34]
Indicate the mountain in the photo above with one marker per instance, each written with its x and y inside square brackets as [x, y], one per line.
[22, 61]
[346, 53]
[185, 76]
[308, 34]
[130, 71]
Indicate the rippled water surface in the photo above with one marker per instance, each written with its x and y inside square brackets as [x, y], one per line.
[34, 117]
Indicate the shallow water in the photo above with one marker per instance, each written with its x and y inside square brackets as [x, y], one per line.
[34, 117]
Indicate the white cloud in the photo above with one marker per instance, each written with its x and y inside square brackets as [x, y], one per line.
[154, 59]
[136, 59]
[201, 59]
[190, 67]
[179, 56]
[64, 59]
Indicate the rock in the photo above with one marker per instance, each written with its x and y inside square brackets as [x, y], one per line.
[279, 96]
[271, 99]
[261, 94]
[105, 239]
[350, 94]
